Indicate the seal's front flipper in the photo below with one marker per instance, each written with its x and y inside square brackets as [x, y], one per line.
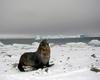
[49, 65]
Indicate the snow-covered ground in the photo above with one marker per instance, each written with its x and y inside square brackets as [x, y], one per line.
[72, 61]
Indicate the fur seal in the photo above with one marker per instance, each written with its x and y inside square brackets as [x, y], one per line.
[38, 59]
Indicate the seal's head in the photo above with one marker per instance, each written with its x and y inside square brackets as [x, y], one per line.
[44, 51]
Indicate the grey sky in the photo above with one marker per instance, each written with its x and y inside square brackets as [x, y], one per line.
[49, 16]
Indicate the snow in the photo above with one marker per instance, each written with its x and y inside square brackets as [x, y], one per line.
[72, 61]
[94, 42]
[79, 44]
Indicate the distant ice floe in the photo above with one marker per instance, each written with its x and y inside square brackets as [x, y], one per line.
[94, 42]
[38, 37]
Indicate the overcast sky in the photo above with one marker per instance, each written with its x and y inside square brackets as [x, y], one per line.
[49, 16]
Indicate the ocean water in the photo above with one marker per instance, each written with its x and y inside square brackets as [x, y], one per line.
[56, 41]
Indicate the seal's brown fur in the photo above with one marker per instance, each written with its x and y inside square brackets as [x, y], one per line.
[37, 59]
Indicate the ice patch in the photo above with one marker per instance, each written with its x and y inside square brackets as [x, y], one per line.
[94, 43]
[1, 44]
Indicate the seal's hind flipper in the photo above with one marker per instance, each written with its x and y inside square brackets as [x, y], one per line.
[20, 67]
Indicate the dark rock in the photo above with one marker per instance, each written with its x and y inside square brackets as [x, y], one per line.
[93, 55]
[95, 69]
